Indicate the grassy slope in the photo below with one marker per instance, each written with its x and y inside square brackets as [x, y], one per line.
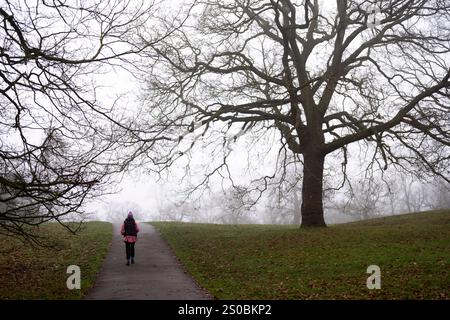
[37, 273]
[283, 262]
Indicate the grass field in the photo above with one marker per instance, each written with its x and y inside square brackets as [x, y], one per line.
[283, 262]
[39, 273]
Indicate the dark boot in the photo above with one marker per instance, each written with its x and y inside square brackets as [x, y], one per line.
[132, 260]
[128, 262]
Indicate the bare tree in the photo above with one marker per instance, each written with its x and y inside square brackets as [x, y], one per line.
[280, 208]
[404, 193]
[233, 205]
[374, 73]
[412, 193]
[364, 200]
[180, 210]
[434, 194]
[440, 196]
[116, 211]
[59, 142]
[284, 198]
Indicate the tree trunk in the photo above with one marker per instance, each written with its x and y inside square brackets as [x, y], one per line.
[312, 191]
[297, 207]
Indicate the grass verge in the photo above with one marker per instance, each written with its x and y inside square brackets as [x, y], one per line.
[285, 262]
[40, 273]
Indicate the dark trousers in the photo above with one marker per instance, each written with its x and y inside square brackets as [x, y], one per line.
[129, 249]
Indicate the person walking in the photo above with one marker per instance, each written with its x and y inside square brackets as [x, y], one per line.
[129, 232]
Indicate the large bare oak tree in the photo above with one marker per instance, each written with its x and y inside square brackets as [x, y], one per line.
[323, 74]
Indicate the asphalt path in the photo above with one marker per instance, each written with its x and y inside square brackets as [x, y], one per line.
[156, 274]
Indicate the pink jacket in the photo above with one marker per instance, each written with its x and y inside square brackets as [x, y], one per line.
[131, 239]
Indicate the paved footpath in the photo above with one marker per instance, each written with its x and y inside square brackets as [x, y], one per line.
[156, 274]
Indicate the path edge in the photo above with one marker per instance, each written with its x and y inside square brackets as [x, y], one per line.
[86, 293]
[182, 266]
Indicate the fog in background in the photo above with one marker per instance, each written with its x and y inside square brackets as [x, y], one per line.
[165, 200]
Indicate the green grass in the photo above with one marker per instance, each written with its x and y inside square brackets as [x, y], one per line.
[285, 262]
[40, 273]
